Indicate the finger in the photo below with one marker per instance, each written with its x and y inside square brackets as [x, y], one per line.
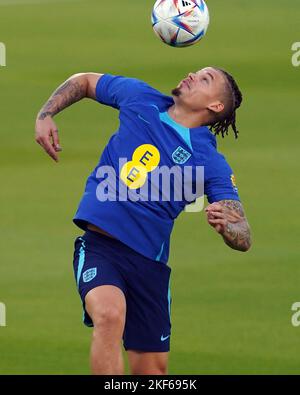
[49, 149]
[55, 139]
[217, 222]
[228, 217]
[51, 152]
[37, 139]
[216, 214]
[214, 207]
[234, 215]
[219, 228]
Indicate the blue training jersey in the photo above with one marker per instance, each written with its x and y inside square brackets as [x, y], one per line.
[147, 139]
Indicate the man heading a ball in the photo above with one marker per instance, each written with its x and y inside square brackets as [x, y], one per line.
[120, 262]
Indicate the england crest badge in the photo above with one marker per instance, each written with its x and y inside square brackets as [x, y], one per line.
[181, 156]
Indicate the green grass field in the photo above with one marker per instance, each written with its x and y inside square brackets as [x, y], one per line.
[231, 312]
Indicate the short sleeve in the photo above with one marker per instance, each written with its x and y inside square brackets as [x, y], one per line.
[220, 181]
[117, 91]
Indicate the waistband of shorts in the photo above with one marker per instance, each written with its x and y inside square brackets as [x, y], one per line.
[118, 247]
[99, 238]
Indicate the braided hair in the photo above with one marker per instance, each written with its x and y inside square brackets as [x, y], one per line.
[228, 117]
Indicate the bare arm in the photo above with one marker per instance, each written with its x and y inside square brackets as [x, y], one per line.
[228, 218]
[77, 87]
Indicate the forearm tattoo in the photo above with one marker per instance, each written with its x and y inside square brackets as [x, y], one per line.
[68, 93]
[237, 234]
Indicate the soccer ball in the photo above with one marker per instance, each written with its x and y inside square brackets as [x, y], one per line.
[180, 23]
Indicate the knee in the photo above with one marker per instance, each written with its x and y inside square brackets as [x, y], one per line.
[106, 318]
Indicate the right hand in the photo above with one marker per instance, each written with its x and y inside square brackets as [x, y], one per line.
[46, 134]
[219, 216]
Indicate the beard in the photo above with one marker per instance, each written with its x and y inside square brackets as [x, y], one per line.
[176, 92]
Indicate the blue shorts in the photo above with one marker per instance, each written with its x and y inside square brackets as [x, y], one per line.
[101, 260]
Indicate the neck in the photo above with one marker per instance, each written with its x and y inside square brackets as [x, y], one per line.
[188, 119]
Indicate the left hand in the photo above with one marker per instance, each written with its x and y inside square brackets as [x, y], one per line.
[219, 217]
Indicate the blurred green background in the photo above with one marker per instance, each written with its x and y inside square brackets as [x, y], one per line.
[231, 312]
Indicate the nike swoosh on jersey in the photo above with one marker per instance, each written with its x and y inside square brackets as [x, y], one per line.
[163, 338]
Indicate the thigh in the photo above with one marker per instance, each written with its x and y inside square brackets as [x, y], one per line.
[147, 363]
[93, 268]
[148, 324]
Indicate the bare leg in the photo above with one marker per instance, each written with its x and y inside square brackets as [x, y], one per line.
[148, 363]
[106, 306]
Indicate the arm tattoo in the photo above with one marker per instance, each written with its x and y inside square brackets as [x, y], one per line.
[237, 233]
[68, 93]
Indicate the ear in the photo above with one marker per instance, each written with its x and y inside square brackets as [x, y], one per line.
[216, 107]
